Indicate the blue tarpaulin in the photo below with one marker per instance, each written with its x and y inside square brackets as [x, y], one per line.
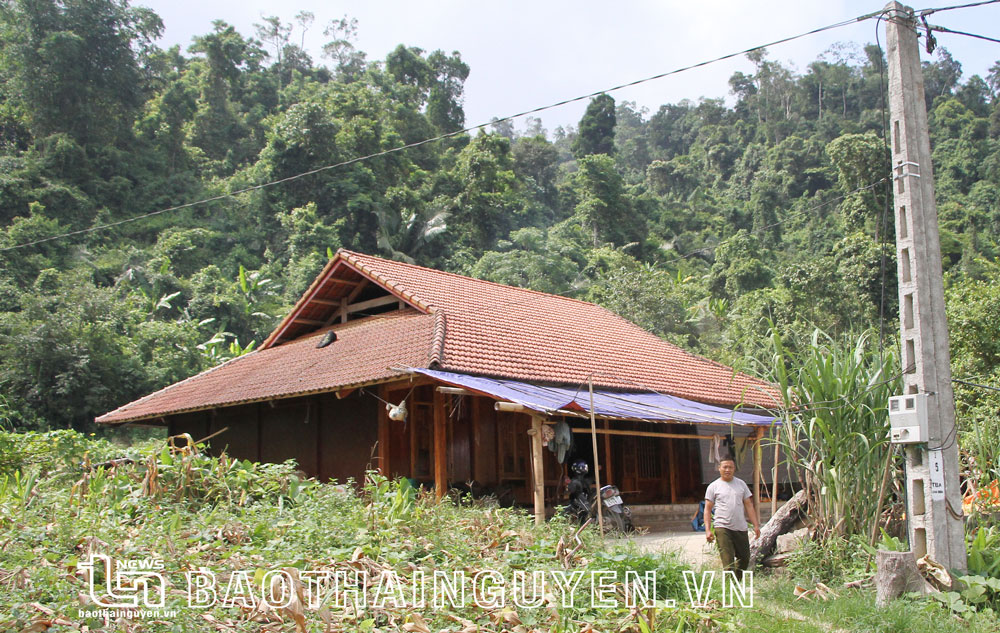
[643, 406]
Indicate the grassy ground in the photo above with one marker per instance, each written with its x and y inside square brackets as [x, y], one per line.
[63, 500]
[777, 610]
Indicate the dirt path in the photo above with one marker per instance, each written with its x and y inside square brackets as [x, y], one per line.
[690, 545]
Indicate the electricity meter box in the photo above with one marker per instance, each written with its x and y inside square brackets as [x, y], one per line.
[908, 419]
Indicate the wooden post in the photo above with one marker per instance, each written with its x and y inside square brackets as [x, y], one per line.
[597, 469]
[538, 469]
[440, 446]
[475, 418]
[758, 432]
[383, 438]
[411, 437]
[607, 452]
[672, 442]
[774, 482]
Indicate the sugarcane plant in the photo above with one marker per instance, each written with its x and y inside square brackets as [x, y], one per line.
[835, 401]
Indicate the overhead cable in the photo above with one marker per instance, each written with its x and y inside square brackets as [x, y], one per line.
[953, 7]
[943, 29]
[975, 384]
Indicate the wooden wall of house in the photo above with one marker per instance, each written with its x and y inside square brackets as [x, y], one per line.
[329, 438]
[242, 439]
[349, 431]
[289, 430]
[195, 424]
[333, 438]
[484, 440]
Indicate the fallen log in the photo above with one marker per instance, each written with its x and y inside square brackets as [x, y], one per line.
[782, 521]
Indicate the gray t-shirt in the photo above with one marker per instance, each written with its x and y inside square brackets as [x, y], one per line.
[728, 497]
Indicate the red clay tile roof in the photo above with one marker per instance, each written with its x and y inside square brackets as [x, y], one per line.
[366, 351]
[457, 324]
[502, 331]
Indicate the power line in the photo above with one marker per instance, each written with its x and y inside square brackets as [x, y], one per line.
[943, 29]
[975, 384]
[441, 137]
[926, 12]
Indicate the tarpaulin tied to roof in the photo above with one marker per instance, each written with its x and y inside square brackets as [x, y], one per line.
[643, 406]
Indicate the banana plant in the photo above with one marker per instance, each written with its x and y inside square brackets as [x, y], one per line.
[216, 350]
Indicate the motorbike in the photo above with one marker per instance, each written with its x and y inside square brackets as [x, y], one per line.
[583, 505]
[581, 498]
[617, 515]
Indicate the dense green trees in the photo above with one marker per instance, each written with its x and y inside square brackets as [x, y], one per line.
[702, 222]
[76, 67]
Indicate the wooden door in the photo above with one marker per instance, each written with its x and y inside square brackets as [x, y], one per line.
[644, 473]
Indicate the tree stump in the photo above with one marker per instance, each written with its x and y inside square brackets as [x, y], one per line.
[897, 574]
[782, 521]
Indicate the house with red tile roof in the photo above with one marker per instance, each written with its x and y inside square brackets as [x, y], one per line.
[481, 370]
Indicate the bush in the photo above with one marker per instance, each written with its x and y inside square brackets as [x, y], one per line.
[833, 560]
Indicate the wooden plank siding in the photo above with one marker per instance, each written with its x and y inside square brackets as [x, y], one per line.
[335, 438]
[303, 429]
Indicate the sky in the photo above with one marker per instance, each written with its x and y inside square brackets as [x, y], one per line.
[526, 54]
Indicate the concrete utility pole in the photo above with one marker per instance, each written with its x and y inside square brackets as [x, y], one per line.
[934, 501]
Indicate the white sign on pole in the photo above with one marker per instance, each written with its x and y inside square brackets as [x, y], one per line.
[936, 464]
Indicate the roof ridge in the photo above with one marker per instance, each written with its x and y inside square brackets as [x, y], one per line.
[394, 262]
[436, 358]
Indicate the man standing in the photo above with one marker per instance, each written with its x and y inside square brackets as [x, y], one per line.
[730, 497]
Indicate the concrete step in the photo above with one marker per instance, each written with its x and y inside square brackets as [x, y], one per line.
[676, 517]
[665, 526]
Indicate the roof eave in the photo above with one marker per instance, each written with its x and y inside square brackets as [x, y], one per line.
[222, 405]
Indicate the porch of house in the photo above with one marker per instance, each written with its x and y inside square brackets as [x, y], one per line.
[454, 437]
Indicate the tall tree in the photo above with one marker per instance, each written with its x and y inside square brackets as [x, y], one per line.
[488, 205]
[597, 128]
[941, 77]
[218, 126]
[444, 101]
[350, 62]
[605, 206]
[75, 66]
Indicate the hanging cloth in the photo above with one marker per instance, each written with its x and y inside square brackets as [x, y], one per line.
[740, 450]
[715, 450]
[561, 441]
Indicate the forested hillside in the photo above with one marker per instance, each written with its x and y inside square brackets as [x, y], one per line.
[701, 221]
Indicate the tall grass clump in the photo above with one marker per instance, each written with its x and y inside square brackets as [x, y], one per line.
[835, 398]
